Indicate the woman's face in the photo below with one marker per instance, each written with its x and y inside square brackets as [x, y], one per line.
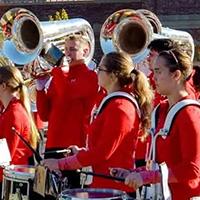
[104, 78]
[164, 80]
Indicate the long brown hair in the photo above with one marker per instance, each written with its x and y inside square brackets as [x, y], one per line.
[13, 78]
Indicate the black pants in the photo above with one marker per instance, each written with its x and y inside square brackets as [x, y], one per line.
[131, 195]
[72, 175]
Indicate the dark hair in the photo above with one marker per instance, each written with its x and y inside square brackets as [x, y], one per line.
[177, 59]
[161, 45]
[196, 77]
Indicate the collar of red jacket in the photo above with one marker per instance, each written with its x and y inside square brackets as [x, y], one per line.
[78, 67]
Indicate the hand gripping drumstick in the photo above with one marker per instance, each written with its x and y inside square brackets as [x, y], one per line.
[102, 176]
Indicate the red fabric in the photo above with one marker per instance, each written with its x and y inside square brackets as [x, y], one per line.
[38, 122]
[191, 88]
[69, 163]
[67, 105]
[112, 141]
[181, 151]
[15, 116]
[142, 149]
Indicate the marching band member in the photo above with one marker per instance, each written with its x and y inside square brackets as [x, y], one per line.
[154, 47]
[68, 101]
[116, 124]
[180, 149]
[16, 114]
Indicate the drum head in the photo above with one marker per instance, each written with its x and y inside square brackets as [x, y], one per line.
[93, 194]
[22, 172]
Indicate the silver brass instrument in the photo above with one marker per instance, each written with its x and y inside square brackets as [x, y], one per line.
[183, 38]
[24, 36]
[128, 31]
[131, 31]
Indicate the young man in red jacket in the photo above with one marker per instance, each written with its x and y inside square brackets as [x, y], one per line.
[68, 101]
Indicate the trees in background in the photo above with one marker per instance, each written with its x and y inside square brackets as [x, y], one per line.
[59, 15]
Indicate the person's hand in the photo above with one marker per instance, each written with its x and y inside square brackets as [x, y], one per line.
[119, 172]
[134, 180]
[75, 149]
[51, 164]
[41, 83]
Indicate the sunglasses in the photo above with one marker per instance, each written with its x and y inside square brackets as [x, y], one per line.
[98, 69]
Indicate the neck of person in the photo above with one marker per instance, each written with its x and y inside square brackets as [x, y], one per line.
[76, 62]
[113, 88]
[176, 96]
[7, 98]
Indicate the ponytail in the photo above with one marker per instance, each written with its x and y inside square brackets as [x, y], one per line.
[24, 97]
[144, 96]
[13, 78]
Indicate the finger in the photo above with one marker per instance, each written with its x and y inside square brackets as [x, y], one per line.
[42, 162]
[113, 171]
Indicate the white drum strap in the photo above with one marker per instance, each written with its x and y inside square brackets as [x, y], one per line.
[172, 113]
[168, 122]
[118, 94]
[164, 132]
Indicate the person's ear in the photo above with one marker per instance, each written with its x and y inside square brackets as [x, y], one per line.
[113, 76]
[4, 85]
[177, 75]
[86, 52]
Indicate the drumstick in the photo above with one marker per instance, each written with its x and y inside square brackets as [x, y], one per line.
[68, 151]
[102, 175]
[37, 156]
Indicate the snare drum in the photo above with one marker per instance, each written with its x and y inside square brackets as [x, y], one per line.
[92, 194]
[17, 182]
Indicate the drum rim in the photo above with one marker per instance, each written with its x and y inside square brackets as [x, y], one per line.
[119, 193]
[10, 172]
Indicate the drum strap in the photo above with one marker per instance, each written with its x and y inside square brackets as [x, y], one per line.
[87, 179]
[163, 132]
[111, 96]
[171, 115]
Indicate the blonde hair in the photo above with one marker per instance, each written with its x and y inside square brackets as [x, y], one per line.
[145, 96]
[122, 66]
[5, 61]
[13, 78]
[79, 37]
